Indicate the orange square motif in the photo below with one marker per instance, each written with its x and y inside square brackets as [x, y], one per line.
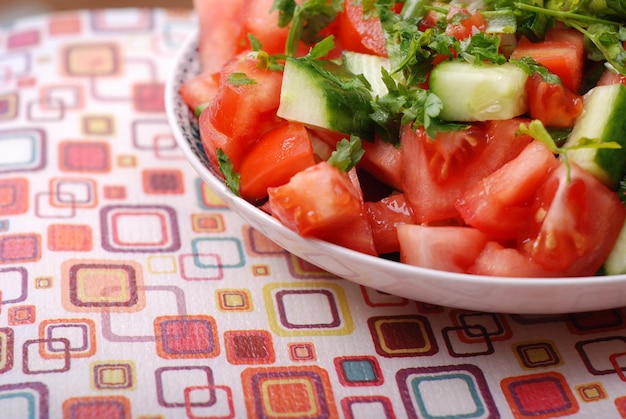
[63, 237]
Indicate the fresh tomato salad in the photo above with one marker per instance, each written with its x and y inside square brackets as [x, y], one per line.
[486, 138]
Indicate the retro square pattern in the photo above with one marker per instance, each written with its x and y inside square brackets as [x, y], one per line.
[218, 252]
[274, 392]
[599, 355]
[13, 196]
[68, 237]
[149, 97]
[207, 199]
[457, 391]
[364, 407]
[25, 400]
[7, 342]
[22, 314]
[23, 39]
[540, 354]
[234, 300]
[168, 182]
[186, 337]
[222, 408]
[556, 398]
[80, 335]
[84, 156]
[114, 375]
[13, 285]
[475, 327]
[139, 228]
[66, 97]
[8, 106]
[110, 407]
[376, 298]
[64, 24]
[249, 347]
[114, 192]
[591, 392]
[98, 125]
[208, 223]
[301, 351]
[259, 245]
[596, 321]
[28, 150]
[73, 192]
[20, 248]
[358, 371]
[91, 60]
[34, 364]
[300, 268]
[402, 336]
[173, 381]
[307, 309]
[102, 285]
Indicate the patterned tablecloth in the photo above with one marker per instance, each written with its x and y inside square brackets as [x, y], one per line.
[128, 290]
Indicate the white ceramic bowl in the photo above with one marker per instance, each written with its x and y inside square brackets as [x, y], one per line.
[480, 293]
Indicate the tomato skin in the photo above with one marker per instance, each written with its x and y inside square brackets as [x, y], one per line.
[199, 90]
[316, 201]
[383, 160]
[497, 260]
[242, 113]
[562, 52]
[279, 154]
[575, 223]
[608, 77]
[221, 28]
[325, 203]
[467, 23]
[451, 249]
[435, 173]
[384, 216]
[499, 204]
[359, 34]
[552, 104]
[258, 21]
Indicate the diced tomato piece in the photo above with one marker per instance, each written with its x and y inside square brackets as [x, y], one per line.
[258, 21]
[608, 77]
[462, 24]
[199, 90]
[562, 52]
[552, 104]
[430, 20]
[499, 204]
[355, 235]
[316, 201]
[359, 33]
[279, 154]
[241, 112]
[575, 222]
[452, 249]
[384, 216]
[497, 260]
[383, 160]
[435, 173]
[221, 28]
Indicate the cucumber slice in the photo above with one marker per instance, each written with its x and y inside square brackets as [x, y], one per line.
[616, 262]
[370, 67]
[325, 95]
[479, 93]
[602, 120]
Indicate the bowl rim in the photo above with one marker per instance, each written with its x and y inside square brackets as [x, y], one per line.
[171, 96]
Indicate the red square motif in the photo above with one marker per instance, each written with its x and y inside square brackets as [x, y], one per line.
[186, 337]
